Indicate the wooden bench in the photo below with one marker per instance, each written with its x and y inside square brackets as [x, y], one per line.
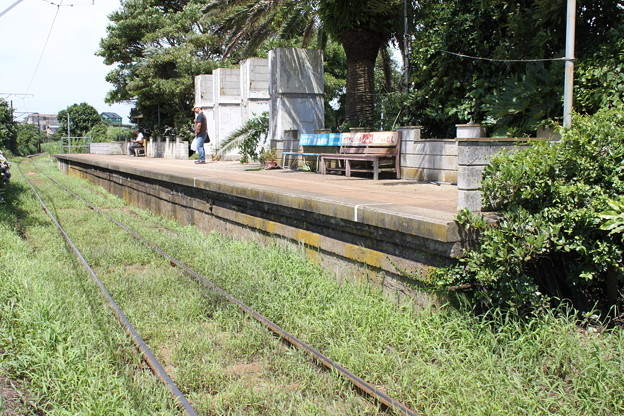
[314, 141]
[373, 152]
[140, 151]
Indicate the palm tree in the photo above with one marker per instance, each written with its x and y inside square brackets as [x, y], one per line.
[361, 26]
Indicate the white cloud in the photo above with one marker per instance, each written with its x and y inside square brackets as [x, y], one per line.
[69, 72]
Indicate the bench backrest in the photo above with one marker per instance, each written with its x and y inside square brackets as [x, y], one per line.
[381, 142]
[320, 139]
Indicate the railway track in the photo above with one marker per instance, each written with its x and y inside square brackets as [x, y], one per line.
[390, 404]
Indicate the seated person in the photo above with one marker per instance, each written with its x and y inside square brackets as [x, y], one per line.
[135, 143]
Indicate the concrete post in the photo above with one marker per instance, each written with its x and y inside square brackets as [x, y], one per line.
[473, 156]
[296, 91]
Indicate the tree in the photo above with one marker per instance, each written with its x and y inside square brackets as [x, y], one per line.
[158, 46]
[28, 139]
[8, 128]
[82, 118]
[513, 96]
[361, 27]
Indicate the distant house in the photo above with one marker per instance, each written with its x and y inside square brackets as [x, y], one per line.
[113, 119]
[44, 122]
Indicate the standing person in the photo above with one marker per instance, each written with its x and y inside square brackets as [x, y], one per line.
[201, 134]
[135, 143]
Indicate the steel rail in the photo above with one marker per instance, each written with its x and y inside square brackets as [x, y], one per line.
[150, 358]
[318, 356]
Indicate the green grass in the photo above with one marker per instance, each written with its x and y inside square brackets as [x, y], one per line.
[57, 334]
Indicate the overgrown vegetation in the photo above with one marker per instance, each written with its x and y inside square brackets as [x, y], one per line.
[439, 361]
[551, 240]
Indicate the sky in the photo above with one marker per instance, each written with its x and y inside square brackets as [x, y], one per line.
[47, 55]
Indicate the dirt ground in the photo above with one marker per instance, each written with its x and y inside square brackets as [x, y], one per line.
[14, 399]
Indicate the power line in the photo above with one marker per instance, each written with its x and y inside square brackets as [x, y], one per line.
[58, 7]
[505, 60]
[10, 7]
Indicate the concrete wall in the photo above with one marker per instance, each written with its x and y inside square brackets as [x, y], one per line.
[231, 96]
[205, 98]
[376, 245]
[296, 91]
[110, 148]
[254, 87]
[427, 160]
[167, 149]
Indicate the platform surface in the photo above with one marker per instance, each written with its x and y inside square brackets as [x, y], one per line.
[437, 200]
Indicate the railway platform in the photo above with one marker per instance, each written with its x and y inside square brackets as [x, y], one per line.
[384, 227]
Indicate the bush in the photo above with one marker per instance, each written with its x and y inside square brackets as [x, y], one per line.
[550, 240]
[247, 137]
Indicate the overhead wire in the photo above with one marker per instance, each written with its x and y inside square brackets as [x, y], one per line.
[504, 60]
[58, 7]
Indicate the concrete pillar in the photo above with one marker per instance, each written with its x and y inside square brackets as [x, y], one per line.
[227, 112]
[254, 87]
[470, 131]
[205, 98]
[473, 156]
[296, 91]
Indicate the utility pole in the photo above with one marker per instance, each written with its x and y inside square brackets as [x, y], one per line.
[568, 95]
[405, 46]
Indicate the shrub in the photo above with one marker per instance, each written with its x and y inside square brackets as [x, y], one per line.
[550, 241]
[247, 137]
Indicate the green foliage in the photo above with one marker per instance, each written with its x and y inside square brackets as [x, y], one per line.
[600, 78]
[514, 108]
[246, 26]
[341, 17]
[269, 155]
[82, 118]
[513, 96]
[52, 147]
[551, 239]
[247, 137]
[98, 133]
[8, 128]
[118, 133]
[28, 139]
[614, 217]
[158, 47]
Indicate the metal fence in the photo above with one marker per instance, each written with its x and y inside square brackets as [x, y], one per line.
[75, 144]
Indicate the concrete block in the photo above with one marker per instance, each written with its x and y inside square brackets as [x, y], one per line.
[466, 131]
[469, 177]
[112, 148]
[296, 71]
[480, 153]
[469, 199]
[429, 175]
[410, 133]
[425, 161]
[204, 91]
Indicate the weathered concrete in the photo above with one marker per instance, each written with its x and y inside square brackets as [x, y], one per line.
[296, 91]
[473, 156]
[358, 229]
